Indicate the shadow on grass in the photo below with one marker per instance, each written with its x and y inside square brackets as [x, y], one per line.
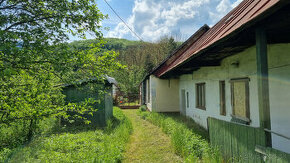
[190, 124]
[51, 129]
[74, 128]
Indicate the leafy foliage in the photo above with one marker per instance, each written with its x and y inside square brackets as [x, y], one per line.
[35, 60]
[139, 57]
[111, 44]
[140, 60]
[129, 78]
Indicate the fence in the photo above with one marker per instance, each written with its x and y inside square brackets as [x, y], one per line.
[128, 101]
[242, 143]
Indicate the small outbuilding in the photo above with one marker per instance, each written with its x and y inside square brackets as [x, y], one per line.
[99, 91]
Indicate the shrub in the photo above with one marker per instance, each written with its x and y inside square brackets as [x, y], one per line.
[188, 142]
[143, 108]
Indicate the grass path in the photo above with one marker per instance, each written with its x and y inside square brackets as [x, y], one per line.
[148, 143]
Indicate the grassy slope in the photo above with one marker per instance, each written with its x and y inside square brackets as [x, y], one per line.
[148, 143]
[80, 144]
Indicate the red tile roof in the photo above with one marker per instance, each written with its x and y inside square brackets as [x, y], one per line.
[244, 13]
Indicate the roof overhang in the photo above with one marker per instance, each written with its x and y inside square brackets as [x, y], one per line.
[209, 50]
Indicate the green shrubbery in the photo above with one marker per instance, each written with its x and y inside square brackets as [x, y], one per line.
[79, 144]
[188, 139]
[15, 134]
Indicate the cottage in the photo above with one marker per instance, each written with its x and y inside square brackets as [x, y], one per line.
[162, 94]
[234, 78]
[83, 90]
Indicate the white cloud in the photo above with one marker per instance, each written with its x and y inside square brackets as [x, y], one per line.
[223, 6]
[236, 3]
[152, 19]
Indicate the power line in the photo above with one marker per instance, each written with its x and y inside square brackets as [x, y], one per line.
[123, 21]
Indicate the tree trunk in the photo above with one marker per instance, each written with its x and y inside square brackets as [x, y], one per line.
[31, 129]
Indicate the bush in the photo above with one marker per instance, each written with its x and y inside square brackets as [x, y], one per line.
[80, 144]
[187, 141]
[143, 108]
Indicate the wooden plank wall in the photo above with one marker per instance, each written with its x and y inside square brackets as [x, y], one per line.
[237, 142]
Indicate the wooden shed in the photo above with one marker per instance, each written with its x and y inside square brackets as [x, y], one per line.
[99, 91]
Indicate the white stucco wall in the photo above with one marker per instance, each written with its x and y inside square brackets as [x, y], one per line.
[164, 97]
[148, 94]
[211, 76]
[167, 96]
[279, 90]
[151, 102]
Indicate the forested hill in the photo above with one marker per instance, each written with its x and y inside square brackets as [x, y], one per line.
[112, 43]
[135, 52]
[138, 57]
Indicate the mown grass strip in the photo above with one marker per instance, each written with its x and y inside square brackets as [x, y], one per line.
[187, 138]
[148, 143]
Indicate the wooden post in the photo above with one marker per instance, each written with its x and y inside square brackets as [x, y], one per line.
[263, 83]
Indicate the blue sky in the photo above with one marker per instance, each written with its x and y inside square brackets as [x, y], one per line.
[152, 19]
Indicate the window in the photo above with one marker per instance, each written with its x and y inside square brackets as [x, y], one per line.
[200, 95]
[187, 100]
[240, 99]
[183, 102]
[222, 98]
[148, 90]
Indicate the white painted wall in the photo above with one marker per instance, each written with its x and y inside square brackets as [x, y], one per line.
[279, 87]
[114, 90]
[148, 94]
[164, 97]
[167, 97]
[211, 76]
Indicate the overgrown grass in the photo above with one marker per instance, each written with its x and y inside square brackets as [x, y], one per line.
[188, 139]
[79, 144]
[15, 135]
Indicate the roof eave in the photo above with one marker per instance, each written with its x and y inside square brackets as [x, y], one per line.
[251, 23]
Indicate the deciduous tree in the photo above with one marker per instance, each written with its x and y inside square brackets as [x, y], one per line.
[35, 58]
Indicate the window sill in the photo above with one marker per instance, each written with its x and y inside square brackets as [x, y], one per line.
[223, 114]
[201, 107]
[242, 120]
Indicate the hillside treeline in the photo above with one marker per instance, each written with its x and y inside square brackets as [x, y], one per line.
[137, 56]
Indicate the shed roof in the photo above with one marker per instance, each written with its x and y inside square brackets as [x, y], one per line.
[111, 80]
[108, 81]
[240, 17]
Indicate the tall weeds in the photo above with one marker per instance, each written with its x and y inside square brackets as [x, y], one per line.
[80, 144]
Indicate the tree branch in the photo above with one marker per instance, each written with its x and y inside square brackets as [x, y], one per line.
[28, 21]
